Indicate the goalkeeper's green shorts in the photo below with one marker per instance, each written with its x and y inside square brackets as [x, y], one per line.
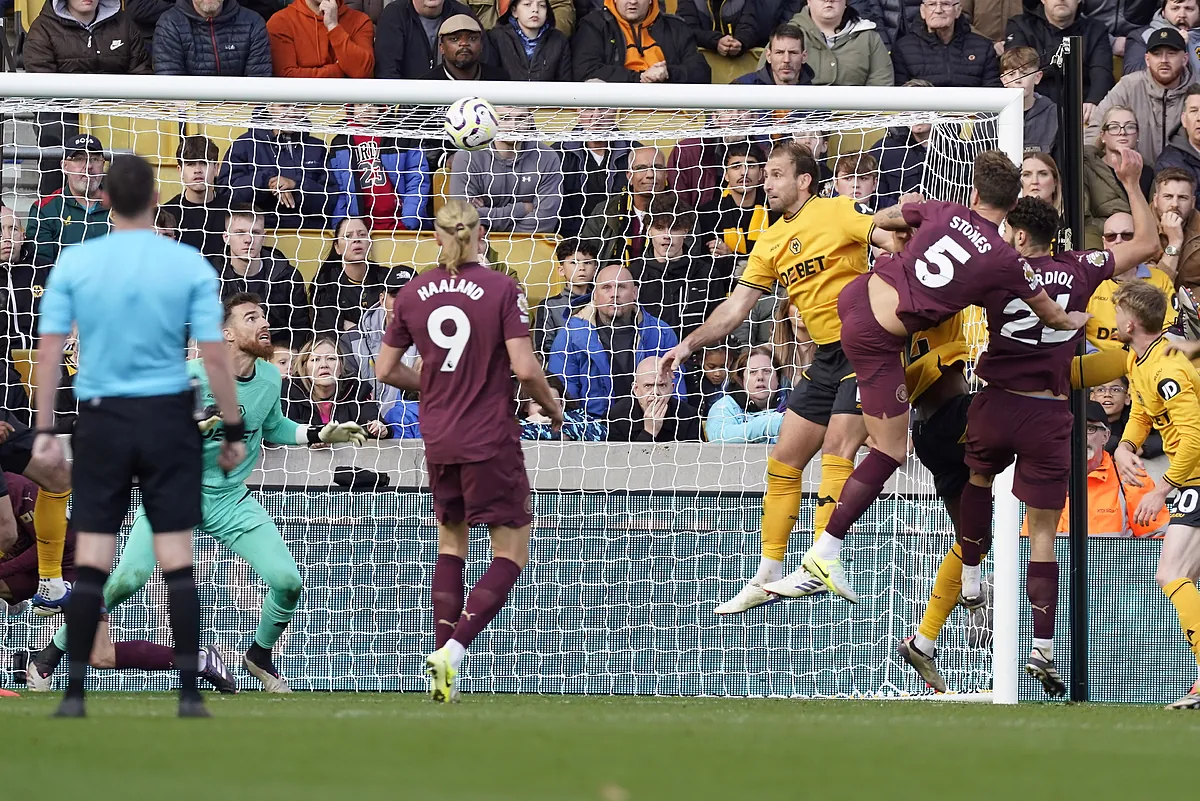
[232, 515]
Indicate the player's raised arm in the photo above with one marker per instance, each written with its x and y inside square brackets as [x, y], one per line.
[1095, 369]
[529, 372]
[1143, 246]
[726, 317]
[893, 218]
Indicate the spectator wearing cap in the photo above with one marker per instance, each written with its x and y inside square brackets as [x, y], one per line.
[944, 50]
[76, 213]
[460, 43]
[211, 37]
[515, 185]
[1111, 501]
[85, 37]
[634, 41]
[844, 48]
[1043, 27]
[348, 282]
[406, 37]
[527, 44]
[1183, 148]
[363, 342]
[1156, 95]
[322, 39]
[726, 27]
[785, 60]
[1183, 16]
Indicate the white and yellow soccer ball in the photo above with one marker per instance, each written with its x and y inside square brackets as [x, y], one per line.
[472, 123]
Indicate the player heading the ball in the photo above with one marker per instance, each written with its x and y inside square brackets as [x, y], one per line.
[955, 259]
[471, 326]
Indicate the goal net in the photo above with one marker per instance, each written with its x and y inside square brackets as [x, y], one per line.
[634, 542]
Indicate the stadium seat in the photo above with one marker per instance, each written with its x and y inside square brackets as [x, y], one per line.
[26, 11]
[727, 70]
[156, 140]
[530, 257]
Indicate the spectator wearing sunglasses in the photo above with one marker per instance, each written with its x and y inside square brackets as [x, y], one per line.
[1102, 326]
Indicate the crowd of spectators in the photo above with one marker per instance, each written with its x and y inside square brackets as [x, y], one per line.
[649, 238]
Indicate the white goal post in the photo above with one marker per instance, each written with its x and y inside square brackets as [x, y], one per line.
[657, 113]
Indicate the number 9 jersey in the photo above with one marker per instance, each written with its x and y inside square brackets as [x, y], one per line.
[956, 259]
[1023, 355]
[460, 325]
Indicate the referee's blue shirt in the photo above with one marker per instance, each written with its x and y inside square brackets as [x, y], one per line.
[133, 295]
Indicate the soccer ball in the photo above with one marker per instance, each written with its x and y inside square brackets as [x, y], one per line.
[472, 123]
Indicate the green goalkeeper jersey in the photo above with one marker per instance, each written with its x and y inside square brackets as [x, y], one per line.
[258, 397]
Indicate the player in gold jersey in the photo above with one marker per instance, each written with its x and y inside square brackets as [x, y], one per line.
[1165, 390]
[814, 251]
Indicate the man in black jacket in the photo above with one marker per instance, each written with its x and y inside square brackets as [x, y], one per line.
[633, 41]
[247, 266]
[944, 50]
[406, 36]
[200, 210]
[786, 56]
[679, 283]
[654, 413]
[22, 279]
[1044, 28]
[211, 37]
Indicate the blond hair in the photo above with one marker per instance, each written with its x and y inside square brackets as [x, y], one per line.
[1145, 302]
[300, 363]
[459, 220]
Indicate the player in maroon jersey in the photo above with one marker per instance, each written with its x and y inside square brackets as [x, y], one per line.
[955, 259]
[1023, 412]
[19, 567]
[471, 326]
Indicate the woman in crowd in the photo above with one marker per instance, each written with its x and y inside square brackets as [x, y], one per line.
[347, 282]
[1103, 195]
[320, 391]
[751, 411]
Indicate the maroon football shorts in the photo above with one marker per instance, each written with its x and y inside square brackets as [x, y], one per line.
[493, 493]
[23, 586]
[876, 354]
[1036, 432]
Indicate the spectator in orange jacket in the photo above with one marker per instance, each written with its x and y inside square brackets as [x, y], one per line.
[1111, 502]
[321, 39]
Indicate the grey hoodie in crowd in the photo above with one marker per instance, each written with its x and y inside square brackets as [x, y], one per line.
[362, 346]
[1135, 45]
[1041, 125]
[1156, 109]
[533, 177]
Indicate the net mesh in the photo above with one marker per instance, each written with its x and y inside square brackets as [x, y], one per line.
[633, 544]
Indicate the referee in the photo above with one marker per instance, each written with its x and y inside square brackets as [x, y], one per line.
[133, 295]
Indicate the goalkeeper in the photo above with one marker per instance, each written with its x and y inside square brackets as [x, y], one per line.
[232, 516]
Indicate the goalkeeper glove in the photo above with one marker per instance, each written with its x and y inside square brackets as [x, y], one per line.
[209, 424]
[342, 432]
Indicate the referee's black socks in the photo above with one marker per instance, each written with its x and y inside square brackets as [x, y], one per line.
[83, 617]
[185, 626]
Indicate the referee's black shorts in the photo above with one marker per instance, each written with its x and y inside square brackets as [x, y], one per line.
[154, 440]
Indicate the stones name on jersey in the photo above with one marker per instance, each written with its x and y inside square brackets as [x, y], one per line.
[973, 234]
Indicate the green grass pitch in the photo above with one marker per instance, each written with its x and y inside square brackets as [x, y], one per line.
[492, 748]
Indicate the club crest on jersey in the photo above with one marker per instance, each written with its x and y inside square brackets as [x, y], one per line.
[1168, 388]
[794, 246]
[1030, 275]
